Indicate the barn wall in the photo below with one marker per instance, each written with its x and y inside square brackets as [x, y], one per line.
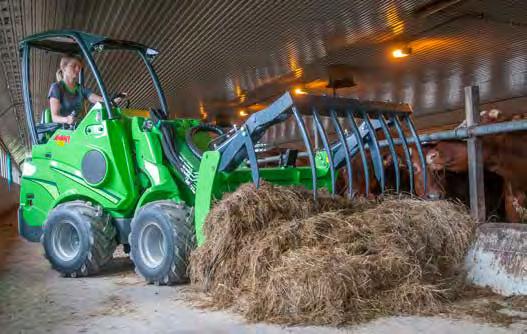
[9, 199]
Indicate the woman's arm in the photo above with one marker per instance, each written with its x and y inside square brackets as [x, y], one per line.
[54, 105]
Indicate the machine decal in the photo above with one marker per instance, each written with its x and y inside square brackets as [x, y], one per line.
[62, 139]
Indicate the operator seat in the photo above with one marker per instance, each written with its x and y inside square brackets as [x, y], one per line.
[46, 127]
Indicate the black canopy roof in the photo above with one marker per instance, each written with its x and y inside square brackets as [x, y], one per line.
[67, 41]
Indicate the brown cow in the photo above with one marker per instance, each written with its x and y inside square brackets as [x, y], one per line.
[504, 154]
[358, 178]
[434, 187]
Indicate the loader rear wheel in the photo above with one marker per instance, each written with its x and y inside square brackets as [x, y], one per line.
[78, 238]
[161, 240]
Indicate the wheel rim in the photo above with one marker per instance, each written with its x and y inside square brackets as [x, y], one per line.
[65, 240]
[152, 244]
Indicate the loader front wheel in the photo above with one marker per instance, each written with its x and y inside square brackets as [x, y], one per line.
[78, 238]
[161, 239]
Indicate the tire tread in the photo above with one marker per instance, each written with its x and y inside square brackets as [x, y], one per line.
[102, 238]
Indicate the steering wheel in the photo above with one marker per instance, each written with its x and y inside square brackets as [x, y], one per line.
[123, 98]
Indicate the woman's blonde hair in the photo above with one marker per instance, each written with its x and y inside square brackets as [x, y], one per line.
[64, 61]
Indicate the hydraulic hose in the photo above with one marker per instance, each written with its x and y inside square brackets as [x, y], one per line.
[167, 139]
[189, 135]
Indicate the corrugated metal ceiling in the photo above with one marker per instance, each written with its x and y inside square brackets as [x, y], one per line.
[240, 51]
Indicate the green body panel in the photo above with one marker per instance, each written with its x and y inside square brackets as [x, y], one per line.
[58, 162]
[153, 175]
[41, 193]
[205, 190]
[164, 181]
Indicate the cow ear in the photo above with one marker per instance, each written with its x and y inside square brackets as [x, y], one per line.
[494, 113]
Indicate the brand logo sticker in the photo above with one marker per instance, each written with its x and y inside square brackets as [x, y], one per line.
[61, 140]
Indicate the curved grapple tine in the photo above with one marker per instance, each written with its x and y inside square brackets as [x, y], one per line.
[375, 151]
[391, 147]
[407, 154]
[342, 139]
[417, 142]
[325, 143]
[309, 148]
[253, 160]
[362, 150]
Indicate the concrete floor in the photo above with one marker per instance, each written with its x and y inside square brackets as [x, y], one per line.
[35, 299]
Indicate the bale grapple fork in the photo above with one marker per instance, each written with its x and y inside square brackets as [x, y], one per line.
[376, 117]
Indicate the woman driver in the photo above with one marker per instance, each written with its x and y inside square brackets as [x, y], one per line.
[66, 96]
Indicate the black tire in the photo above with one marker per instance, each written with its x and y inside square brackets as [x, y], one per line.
[161, 240]
[91, 242]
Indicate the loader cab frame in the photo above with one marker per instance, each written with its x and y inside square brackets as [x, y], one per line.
[83, 44]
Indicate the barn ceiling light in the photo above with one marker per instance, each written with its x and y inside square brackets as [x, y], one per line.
[402, 52]
[243, 113]
[299, 91]
[202, 110]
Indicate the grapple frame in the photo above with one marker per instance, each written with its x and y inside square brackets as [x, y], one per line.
[375, 116]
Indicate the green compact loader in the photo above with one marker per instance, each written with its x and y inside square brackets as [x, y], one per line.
[148, 182]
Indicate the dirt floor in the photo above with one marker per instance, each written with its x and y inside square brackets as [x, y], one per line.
[33, 298]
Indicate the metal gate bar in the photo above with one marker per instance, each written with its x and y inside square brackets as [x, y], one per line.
[360, 142]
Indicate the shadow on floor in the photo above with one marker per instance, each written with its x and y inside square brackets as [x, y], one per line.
[116, 266]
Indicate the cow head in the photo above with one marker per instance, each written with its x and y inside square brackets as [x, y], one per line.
[435, 181]
[448, 155]
[491, 116]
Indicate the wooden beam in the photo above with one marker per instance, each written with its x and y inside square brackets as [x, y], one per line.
[475, 156]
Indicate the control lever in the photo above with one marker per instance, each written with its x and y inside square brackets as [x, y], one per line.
[73, 125]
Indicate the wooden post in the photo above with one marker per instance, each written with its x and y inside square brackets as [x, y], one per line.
[475, 156]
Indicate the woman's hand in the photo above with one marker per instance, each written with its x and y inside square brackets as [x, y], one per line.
[54, 105]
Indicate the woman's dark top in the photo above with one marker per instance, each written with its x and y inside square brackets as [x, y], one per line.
[70, 100]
